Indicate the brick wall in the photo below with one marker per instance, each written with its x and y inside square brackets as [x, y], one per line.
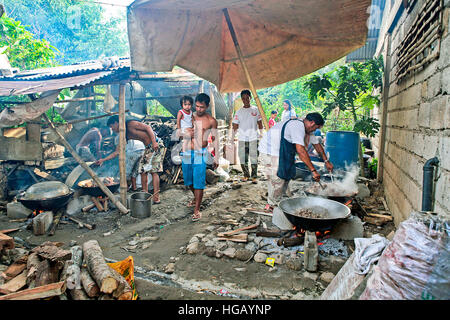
[417, 125]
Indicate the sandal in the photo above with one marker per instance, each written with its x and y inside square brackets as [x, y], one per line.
[268, 208]
[156, 202]
[196, 217]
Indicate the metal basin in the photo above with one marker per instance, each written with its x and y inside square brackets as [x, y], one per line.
[96, 191]
[335, 212]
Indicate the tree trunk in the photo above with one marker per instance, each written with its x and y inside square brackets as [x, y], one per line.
[98, 268]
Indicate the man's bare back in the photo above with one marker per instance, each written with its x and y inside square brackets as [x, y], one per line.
[93, 135]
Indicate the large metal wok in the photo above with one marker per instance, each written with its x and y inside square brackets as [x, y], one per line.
[90, 188]
[48, 195]
[335, 212]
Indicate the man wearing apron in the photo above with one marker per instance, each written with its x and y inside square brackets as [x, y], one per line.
[278, 148]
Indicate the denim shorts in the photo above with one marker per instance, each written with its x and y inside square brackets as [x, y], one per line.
[194, 168]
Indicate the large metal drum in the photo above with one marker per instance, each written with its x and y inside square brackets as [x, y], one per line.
[343, 148]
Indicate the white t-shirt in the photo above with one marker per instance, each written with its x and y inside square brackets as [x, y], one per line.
[247, 119]
[294, 133]
[287, 114]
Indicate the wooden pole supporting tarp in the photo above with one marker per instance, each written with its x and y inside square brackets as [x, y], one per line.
[122, 143]
[94, 176]
[244, 66]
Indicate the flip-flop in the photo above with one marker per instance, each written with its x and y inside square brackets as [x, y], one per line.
[157, 202]
[196, 218]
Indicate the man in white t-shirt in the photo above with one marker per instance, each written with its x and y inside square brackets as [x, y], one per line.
[278, 153]
[246, 122]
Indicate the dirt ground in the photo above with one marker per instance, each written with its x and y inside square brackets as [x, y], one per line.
[166, 269]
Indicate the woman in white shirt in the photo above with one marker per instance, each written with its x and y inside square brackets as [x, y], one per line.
[288, 112]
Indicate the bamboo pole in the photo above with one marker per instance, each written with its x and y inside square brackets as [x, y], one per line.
[213, 105]
[83, 164]
[122, 143]
[244, 66]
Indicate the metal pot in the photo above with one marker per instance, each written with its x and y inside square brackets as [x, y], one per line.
[141, 204]
[96, 191]
[336, 212]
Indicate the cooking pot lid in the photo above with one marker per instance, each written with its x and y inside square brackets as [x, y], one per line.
[46, 190]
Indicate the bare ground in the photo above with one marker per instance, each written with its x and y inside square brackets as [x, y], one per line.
[193, 276]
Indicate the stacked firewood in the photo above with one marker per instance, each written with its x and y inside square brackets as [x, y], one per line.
[48, 271]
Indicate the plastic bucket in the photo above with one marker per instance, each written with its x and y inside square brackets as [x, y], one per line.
[343, 148]
[141, 205]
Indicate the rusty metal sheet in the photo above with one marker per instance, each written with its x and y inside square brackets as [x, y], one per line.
[18, 87]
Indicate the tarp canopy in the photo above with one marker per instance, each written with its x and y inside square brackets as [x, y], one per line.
[280, 40]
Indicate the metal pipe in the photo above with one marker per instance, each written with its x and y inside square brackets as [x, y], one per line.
[427, 189]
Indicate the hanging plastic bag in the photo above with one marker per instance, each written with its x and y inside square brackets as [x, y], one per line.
[126, 269]
[414, 266]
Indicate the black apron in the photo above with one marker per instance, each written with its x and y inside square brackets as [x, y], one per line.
[286, 162]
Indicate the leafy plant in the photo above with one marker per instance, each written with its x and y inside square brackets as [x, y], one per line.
[349, 88]
[373, 167]
[23, 50]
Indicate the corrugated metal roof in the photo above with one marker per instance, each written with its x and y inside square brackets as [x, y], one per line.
[19, 87]
[374, 24]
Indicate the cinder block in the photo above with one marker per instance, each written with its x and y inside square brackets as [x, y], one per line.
[424, 115]
[42, 223]
[446, 80]
[441, 192]
[444, 153]
[437, 113]
[430, 146]
[434, 85]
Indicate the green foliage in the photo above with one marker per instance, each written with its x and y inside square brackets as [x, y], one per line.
[22, 49]
[81, 30]
[349, 90]
[373, 167]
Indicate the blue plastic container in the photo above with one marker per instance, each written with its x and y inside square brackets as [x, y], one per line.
[342, 147]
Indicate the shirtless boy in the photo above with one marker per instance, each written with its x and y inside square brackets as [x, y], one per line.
[194, 160]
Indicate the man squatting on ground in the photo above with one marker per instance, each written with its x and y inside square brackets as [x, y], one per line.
[278, 148]
[92, 138]
[246, 122]
[195, 158]
[152, 158]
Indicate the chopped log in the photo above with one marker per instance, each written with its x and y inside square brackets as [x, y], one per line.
[381, 216]
[78, 294]
[55, 224]
[47, 273]
[77, 255]
[105, 204]
[123, 291]
[15, 284]
[269, 233]
[235, 238]
[16, 268]
[250, 227]
[83, 224]
[90, 287]
[9, 230]
[375, 220]
[32, 267]
[98, 268]
[88, 207]
[291, 242]
[6, 242]
[104, 296]
[52, 252]
[97, 203]
[50, 290]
